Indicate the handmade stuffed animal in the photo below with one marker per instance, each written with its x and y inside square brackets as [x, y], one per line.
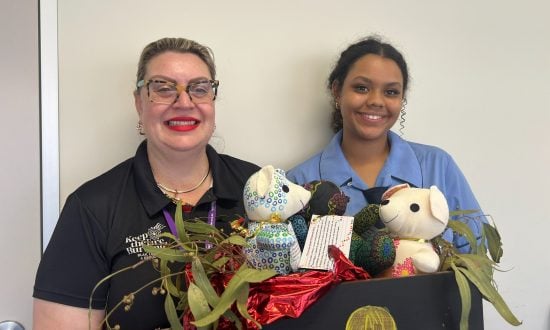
[371, 249]
[269, 200]
[414, 216]
[326, 199]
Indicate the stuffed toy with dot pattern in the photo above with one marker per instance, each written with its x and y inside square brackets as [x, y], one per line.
[371, 249]
[269, 200]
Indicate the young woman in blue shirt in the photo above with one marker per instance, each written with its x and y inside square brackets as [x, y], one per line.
[369, 87]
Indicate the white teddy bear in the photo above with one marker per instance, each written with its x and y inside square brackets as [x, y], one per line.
[414, 216]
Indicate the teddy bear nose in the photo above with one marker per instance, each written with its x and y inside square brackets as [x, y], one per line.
[415, 207]
[385, 202]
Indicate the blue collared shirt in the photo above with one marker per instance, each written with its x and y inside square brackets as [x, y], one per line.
[417, 164]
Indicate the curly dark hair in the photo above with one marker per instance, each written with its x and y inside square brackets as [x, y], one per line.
[369, 45]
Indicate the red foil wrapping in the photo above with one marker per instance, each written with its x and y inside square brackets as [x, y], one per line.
[290, 295]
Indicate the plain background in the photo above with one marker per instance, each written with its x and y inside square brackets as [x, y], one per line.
[479, 90]
[20, 160]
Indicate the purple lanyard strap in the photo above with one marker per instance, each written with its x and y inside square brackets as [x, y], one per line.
[172, 223]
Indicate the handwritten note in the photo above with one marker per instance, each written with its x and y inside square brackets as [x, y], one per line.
[324, 231]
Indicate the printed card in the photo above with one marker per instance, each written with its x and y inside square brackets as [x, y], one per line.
[324, 231]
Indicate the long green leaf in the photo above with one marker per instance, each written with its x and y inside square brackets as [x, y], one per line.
[463, 229]
[491, 294]
[200, 227]
[226, 300]
[252, 275]
[180, 228]
[242, 304]
[171, 314]
[461, 213]
[235, 240]
[477, 263]
[183, 302]
[200, 238]
[465, 297]
[168, 235]
[242, 276]
[198, 304]
[167, 253]
[220, 262]
[168, 282]
[493, 241]
[201, 280]
[233, 318]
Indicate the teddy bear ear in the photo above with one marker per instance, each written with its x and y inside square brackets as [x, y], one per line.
[263, 181]
[438, 205]
[392, 190]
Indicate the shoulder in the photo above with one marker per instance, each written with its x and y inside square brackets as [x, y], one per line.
[425, 154]
[106, 184]
[227, 166]
[435, 160]
[421, 164]
[239, 168]
[320, 164]
[429, 153]
[306, 171]
[108, 187]
[438, 167]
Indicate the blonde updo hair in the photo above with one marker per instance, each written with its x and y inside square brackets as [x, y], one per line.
[178, 45]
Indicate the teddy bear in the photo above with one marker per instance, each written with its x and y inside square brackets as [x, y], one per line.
[371, 249]
[269, 200]
[413, 217]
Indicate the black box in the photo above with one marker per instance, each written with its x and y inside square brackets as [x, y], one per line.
[429, 301]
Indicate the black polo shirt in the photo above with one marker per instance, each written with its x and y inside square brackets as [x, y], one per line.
[106, 221]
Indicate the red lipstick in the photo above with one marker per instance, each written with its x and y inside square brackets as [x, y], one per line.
[182, 124]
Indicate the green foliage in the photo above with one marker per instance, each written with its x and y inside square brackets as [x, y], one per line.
[205, 252]
[476, 267]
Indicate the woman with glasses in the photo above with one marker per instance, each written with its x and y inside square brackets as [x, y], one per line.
[369, 85]
[105, 222]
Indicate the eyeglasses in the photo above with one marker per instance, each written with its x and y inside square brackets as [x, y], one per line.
[167, 92]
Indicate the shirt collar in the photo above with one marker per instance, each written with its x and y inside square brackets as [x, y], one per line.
[227, 184]
[153, 200]
[334, 166]
[402, 165]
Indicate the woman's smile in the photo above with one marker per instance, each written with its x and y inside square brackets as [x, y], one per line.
[182, 124]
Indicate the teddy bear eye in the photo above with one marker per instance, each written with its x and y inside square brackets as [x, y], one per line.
[415, 207]
[285, 188]
[385, 202]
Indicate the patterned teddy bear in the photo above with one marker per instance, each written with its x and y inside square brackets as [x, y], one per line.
[269, 200]
[371, 249]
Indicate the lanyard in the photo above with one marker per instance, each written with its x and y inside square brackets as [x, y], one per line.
[172, 223]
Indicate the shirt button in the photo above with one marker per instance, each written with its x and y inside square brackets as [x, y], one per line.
[349, 184]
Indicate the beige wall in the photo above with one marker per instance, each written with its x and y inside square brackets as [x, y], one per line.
[479, 90]
[20, 165]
